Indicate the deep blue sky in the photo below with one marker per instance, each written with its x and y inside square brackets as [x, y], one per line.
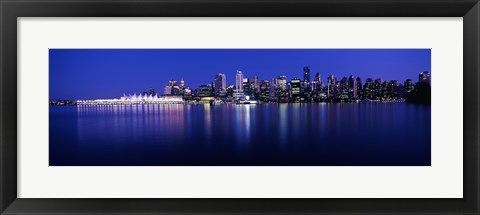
[108, 73]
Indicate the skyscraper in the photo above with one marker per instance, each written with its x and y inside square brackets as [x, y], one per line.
[239, 81]
[281, 92]
[331, 86]
[342, 92]
[167, 90]
[385, 91]
[393, 89]
[352, 87]
[408, 85]
[424, 77]
[368, 91]
[256, 83]
[182, 84]
[248, 87]
[273, 88]
[282, 82]
[306, 74]
[378, 88]
[220, 84]
[295, 93]
[265, 91]
[230, 90]
[318, 78]
[359, 88]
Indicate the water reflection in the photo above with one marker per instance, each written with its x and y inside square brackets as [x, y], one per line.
[270, 134]
[242, 123]
[283, 123]
[208, 122]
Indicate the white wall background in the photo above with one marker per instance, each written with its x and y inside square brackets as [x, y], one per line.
[441, 180]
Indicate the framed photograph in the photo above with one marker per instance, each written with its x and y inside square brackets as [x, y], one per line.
[258, 107]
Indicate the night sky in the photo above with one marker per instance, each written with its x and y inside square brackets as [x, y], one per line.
[108, 73]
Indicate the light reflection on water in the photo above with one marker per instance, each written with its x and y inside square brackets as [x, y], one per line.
[267, 134]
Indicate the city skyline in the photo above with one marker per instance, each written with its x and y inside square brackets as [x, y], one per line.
[277, 90]
[67, 82]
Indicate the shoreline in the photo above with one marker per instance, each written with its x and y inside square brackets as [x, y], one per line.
[125, 103]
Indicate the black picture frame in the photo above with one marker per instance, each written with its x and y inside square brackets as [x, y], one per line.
[10, 10]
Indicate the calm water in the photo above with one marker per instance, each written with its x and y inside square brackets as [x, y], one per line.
[269, 134]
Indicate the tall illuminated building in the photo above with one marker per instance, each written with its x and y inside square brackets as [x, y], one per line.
[282, 82]
[239, 81]
[306, 88]
[385, 91]
[230, 90]
[220, 83]
[295, 89]
[378, 88]
[182, 84]
[281, 92]
[317, 85]
[368, 91]
[249, 87]
[408, 85]
[424, 77]
[393, 89]
[306, 74]
[352, 87]
[342, 90]
[318, 78]
[359, 87]
[264, 90]
[167, 90]
[256, 83]
[273, 88]
[245, 84]
[331, 81]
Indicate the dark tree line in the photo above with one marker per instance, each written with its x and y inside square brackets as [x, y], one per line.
[421, 94]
